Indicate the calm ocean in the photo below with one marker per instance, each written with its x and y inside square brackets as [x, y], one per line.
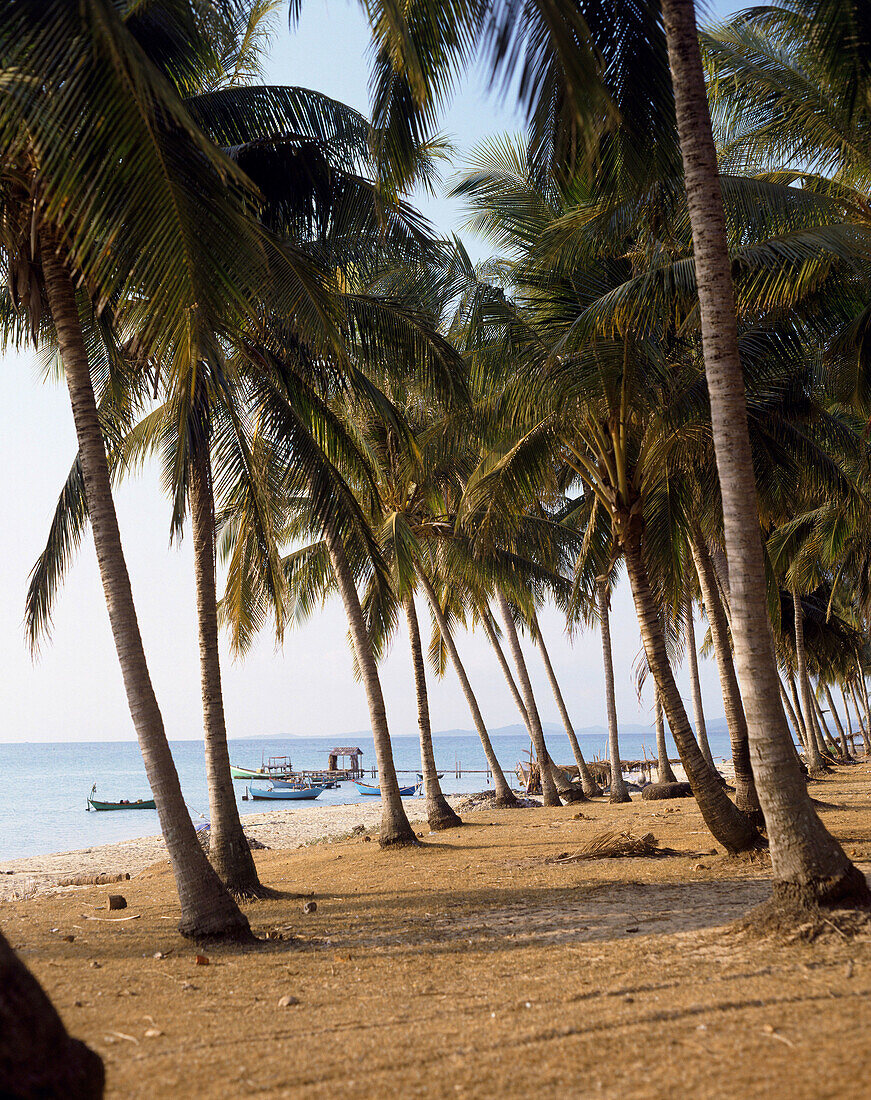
[44, 787]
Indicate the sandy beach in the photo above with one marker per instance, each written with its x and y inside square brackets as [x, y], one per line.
[490, 961]
[285, 828]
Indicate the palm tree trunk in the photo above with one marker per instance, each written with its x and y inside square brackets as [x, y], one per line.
[814, 761]
[588, 784]
[37, 1056]
[848, 719]
[745, 788]
[618, 792]
[842, 737]
[439, 814]
[396, 830]
[803, 730]
[809, 865]
[664, 771]
[695, 682]
[866, 725]
[729, 826]
[504, 795]
[207, 909]
[863, 724]
[229, 852]
[793, 716]
[549, 794]
[557, 777]
[830, 744]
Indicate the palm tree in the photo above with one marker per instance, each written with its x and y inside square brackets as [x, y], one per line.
[745, 789]
[439, 814]
[589, 786]
[695, 682]
[809, 865]
[549, 793]
[664, 771]
[618, 791]
[172, 229]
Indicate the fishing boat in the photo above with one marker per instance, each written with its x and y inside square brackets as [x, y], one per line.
[284, 793]
[123, 804]
[367, 788]
[276, 767]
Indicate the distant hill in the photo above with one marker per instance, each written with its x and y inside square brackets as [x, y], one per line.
[714, 725]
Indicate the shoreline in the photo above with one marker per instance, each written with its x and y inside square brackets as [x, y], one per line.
[29, 876]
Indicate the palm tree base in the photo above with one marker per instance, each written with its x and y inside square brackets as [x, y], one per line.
[620, 796]
[220, 930]
[255, 892]
[573, 794]
[848, 891]
[441, 817]
[508, 801]
[402, 836]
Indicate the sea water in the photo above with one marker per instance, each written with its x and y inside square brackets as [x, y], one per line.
[44, 787]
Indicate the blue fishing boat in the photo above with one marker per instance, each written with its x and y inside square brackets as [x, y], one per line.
[366, 788]
[284, 793]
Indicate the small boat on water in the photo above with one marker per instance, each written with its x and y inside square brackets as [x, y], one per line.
[367, 788]
[295, 794]
[123, 804]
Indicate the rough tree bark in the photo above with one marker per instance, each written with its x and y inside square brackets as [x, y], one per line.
[745, 788]
[229, 852]
[439, 814]
[588, 784]
[618, 791]
[809, 865]
[505, 797]
[728, 825]
[549, 794]
[207, 909]
[396, 831]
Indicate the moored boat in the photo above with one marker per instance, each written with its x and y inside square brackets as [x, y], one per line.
[367, 788]
[284, 793]
[122, 804]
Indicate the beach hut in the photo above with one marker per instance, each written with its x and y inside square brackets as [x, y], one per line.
[354, 768]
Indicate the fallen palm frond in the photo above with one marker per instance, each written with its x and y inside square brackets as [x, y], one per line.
[613, 844]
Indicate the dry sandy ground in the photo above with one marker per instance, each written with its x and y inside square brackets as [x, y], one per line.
[474, 967]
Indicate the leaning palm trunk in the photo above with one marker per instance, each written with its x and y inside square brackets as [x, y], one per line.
[814, 760]
[395, 827]
[729, 826]
[588, 784]
[793, 716]
[804, 731]
[745, 789]
[207, 909]
[556, 775]
[37, 1056]
[842, 736]
[808, 863]
[439, 814]
[549, 794]
[618, 792]
[863, 726]
[504, 795]
[829, 743]
[848, 718]
[664, 771]
[695, 682]
[229, 851]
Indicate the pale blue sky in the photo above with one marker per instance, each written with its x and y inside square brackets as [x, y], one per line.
[74, 692]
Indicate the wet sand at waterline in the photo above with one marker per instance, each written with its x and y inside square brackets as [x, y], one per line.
[475, 966]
